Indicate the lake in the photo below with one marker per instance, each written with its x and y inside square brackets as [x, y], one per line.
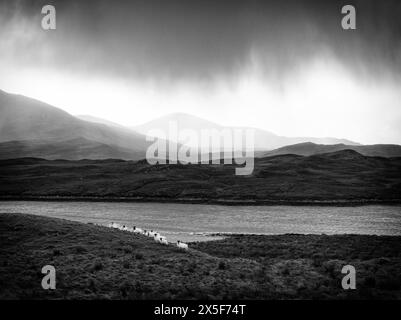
[196, 222]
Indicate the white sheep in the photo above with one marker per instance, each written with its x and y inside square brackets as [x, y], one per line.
[112, 225]
[160, 239]
[182, 245]
[137, 230]
[151, 233]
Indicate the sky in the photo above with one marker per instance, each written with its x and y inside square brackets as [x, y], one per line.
[284, 66]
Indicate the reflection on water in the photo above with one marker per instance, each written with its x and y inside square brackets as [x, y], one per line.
[196, 222]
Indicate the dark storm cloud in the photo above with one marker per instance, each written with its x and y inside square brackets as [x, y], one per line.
[203, 39]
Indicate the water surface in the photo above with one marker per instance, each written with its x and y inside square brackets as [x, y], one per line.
[196, 222]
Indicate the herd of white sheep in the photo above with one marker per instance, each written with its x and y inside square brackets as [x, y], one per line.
[152, 234]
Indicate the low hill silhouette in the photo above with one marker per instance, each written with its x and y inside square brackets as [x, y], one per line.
[333, 177]
[309, 148]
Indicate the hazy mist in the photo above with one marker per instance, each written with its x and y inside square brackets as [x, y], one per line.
[284, 66]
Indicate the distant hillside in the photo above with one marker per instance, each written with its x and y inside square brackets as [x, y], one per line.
[75, 149]
[308, 149]
[90, 118]
[37, 129]
[331, 177]
[264, 140]
[24, 119]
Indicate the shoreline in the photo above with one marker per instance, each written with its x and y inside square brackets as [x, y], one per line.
[224, 202]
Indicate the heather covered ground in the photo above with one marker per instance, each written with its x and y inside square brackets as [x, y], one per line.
[95, 262]
[343, 176]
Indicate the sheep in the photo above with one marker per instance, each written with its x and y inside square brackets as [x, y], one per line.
[137, 230]
[160, 239]
[182, 245]
[151, 233]
[113, 225]
[116, 226]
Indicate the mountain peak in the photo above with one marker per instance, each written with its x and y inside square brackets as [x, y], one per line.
[183, 121]
[32, 121]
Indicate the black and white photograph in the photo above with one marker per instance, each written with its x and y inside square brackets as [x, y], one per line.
[200, 150]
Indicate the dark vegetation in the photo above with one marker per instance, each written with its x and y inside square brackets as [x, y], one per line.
[343, 176]
[309, 148]
[95, 262]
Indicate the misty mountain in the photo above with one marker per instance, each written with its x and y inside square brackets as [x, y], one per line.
[46, 131]
[183, 120]
[308, 149]
[87, 117]
[30, 128]
[264, 140]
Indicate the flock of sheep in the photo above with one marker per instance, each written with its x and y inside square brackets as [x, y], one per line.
[152, 234]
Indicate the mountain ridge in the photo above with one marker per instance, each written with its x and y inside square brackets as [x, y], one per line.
[26, 119]
[309, 148]
[29, 127]
[264, 140]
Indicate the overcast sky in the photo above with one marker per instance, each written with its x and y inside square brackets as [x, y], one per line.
[284, 66]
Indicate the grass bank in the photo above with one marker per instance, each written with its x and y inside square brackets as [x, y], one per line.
[95, 262]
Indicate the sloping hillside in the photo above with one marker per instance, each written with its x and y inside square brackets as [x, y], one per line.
[24, 119]
[75, 149]
[95, 262]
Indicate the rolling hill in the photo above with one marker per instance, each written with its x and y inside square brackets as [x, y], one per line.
[309, 148]
[343, 176]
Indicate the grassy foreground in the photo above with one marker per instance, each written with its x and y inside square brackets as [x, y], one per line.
[94, 262]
